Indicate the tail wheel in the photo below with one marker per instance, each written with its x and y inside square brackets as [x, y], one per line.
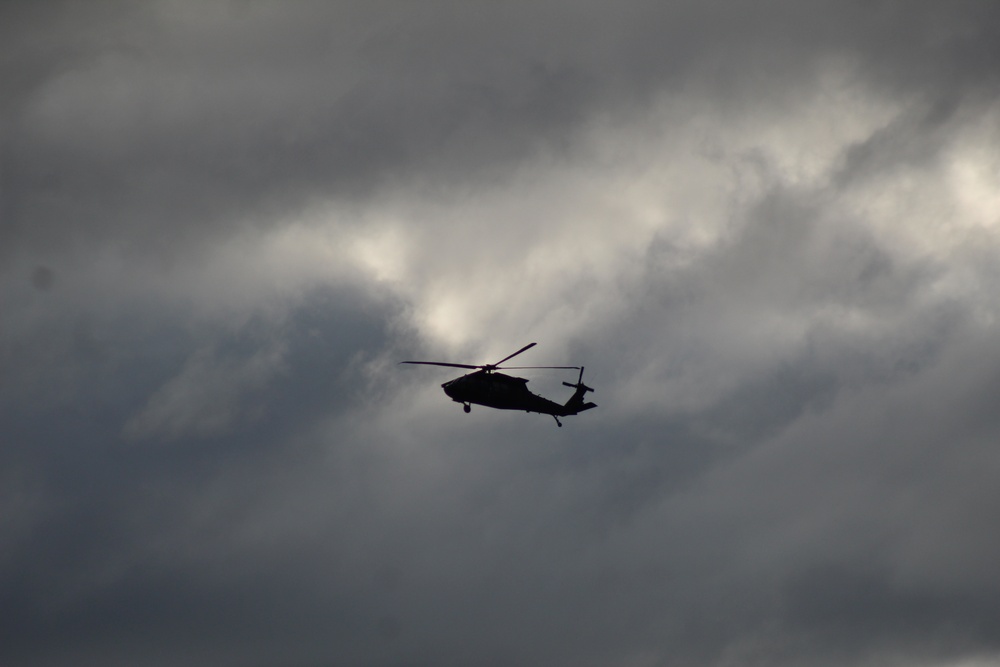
[467, 408]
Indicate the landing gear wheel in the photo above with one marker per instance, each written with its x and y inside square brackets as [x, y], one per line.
[467, 408]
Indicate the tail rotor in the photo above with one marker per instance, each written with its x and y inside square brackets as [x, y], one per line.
[579, 384]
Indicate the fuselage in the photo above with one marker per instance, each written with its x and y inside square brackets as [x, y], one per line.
[496, 390]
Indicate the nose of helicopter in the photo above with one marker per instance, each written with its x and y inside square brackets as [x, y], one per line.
[449, 388]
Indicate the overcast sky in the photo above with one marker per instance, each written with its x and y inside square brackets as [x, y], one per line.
[770, 231]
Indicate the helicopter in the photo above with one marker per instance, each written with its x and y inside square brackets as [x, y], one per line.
[504, 392]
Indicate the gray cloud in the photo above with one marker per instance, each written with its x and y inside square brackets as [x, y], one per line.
[769, 231]
[145, 118]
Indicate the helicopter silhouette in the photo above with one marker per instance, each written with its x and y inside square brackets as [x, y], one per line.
[504, 392]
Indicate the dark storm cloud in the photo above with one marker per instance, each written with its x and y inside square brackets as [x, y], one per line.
[222, 223]
[122, 121]
[115, 538]
[172, 123]
[867, 559]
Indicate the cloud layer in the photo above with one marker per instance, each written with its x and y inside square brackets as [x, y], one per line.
[768, 230]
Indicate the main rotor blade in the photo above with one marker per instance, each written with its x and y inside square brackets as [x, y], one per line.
[521, 368]
[526, 347]
[439, 363]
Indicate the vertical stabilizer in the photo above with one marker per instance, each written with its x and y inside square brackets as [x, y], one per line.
[575, 403]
